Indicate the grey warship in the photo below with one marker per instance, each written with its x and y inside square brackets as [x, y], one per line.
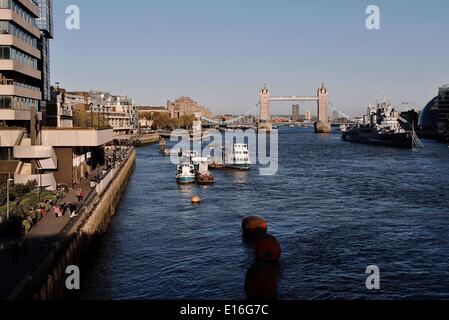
[382, 125]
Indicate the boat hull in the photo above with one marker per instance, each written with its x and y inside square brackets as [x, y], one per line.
[204, 180]
[398, 140]
[185, 180]
[241, 167]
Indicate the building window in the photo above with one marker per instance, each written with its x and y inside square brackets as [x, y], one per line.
[8, 53]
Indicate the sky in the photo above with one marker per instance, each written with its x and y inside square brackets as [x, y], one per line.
[221, 53]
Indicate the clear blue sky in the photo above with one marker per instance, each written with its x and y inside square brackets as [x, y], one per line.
[221, 52]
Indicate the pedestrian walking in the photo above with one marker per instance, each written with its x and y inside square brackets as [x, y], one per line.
[72, 210]
[79, 194]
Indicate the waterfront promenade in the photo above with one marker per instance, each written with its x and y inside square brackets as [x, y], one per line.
[21, 257]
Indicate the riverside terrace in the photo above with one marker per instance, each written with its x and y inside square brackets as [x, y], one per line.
[23, 258]
[57, 156]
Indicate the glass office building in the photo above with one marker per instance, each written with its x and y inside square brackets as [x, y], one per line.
[20, 57]
[45, 24]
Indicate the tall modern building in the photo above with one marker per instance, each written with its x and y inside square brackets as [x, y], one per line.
[335, 115]
[295, 113]
[45, 25]
[20, 83]
[20, 90]
[29, 151]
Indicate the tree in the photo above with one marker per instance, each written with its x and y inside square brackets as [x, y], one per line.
[187, 121]
[163, 121]
[146, 115]
[82, 119]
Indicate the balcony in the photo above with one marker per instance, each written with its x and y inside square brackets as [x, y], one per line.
[45, 155]
[33, 152]
[31, 5]
[10, 137]
[10, 87]
[76, 137]
[7, 39]
[11, 65]
[15, 115]
[10, 15]
[45, 180]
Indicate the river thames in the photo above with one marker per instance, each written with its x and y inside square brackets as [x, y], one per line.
[335, 207]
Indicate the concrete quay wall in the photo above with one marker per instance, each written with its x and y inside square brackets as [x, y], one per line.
[76, 248]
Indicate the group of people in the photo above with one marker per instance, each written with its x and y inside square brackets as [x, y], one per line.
[61, 210]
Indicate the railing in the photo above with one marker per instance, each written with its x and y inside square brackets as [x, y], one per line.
[11, 82]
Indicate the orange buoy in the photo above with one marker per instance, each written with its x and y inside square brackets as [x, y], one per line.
[267, 248]
[196, 200]
[253, 226]
[261, 282]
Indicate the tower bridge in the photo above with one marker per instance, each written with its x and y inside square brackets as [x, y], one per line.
[322, 99]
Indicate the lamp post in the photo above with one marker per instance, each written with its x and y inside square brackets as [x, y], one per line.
[107, 117]
[98, 115]
[8, 184]
[39, 171]
[91, 115]
[103, 109]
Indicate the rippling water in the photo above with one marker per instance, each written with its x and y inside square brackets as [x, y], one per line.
[335, 207]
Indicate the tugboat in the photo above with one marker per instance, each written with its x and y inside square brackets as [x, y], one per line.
[382, 126]
[185, 172]
[237, 157]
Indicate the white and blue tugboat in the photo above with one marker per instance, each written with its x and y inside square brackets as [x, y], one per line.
[237, 157]
[185, 172]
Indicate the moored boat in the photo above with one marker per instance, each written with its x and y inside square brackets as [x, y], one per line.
[206, 178]
[237, 157]
[381, 126]
[203, 175]
[185, 173]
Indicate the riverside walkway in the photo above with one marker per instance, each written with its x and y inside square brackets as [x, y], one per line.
[25, 253]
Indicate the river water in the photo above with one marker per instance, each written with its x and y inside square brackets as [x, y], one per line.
[335, 207]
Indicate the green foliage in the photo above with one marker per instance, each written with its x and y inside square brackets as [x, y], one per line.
[83, 118]
[164, 121]
[16, 191]
[22, 199]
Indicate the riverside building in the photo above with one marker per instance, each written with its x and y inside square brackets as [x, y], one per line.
[118, 111]
[185, 106]
[30, 151]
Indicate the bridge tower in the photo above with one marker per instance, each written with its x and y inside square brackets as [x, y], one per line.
[322, 125]
[265, 118]
[265, 104]
[323, 104]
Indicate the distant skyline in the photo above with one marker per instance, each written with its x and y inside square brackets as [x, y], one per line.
[220, 53]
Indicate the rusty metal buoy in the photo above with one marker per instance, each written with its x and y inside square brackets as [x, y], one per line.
[253, 226]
